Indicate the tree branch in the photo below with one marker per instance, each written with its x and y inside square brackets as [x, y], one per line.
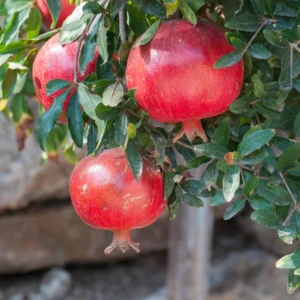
[122, 25]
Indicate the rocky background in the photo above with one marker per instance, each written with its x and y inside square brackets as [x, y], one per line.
[46, 252]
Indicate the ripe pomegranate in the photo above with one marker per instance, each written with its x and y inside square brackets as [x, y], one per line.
[106, 196]
[56, 61]
[175, 78]
[66, 10]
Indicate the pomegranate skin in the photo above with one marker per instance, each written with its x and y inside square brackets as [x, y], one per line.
[174, 76]
[56, 61]
[66, 10]
[106, 196]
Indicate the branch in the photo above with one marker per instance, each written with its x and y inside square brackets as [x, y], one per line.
[288, 188]
[122, 25]
[78, 50]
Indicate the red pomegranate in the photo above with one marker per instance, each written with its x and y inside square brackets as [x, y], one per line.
[175, 79]
[106, 196]
[56, 61]
[66, 10]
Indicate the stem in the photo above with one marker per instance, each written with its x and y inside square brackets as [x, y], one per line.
[122, 25]
[288, 188]
[78, 50]
[287, 219]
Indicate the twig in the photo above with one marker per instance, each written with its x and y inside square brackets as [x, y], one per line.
[288, 188]
[287, 219]
[78, 50]
[122, 25]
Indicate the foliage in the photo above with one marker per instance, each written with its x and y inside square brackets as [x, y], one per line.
[253, 157]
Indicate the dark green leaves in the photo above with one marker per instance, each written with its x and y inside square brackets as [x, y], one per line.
[102, 40]
[297, 126]
[187, 12]
[134, 160]
[75, 122]
[159, 143]
[192, 200]
[54, 8]
[231, 182]
[88, 100]
[234, 209]
[120, 128]
[255, 140]
[169, 184]
[153, 7]
[48, 119]
[148, 34]
[289, 156]
[259, 51]
[277, 195]
[245, 22]
[113, 94]
[56, 85]
[212, 150]
[228, 60]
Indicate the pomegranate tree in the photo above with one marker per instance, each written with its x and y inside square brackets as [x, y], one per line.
[175, 78]
[106, 196]
[56, 61]
[66, 10]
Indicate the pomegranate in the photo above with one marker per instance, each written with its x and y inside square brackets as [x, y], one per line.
[56, 61]
[175, 79]
[106, 196]
[66, 10]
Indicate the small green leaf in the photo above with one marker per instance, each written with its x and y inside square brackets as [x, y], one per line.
[267, 217]
[270, 161]
[75, 122]
[171, 7]
[9, 83]
[159, 143]
[259, 51]
[33, 23]
[234, 209]
[174, 204]
[4, 58]
[245, 22]
[134, 160]
[120, 128]
[218, 199]
[106, 112]
[191, 186]
[290, 261]
[273, 38]
[56, 85]
[211, 174]
[196, 162]
[293, 282]
[188, 154]
[228, 60]
[92, 138]
[250, 186]
[277, 195]
[294, 170]
[255, 140]
[241, 105]
[297, 126]
[187, 12]
[54, 9]
[153, 7]
[212, 150]
[116, 6]
[48, 119]
[192, 200]
[222, 132]
[195, 5]
[289, 156]
[113, 94]
[263, 6]
[102, 40]
[148, 34]
[169, 184]
[231, 182]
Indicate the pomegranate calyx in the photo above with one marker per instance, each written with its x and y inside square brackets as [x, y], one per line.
[122, 241]
[191, 129]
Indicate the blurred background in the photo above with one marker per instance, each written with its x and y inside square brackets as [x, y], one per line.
[46, 252]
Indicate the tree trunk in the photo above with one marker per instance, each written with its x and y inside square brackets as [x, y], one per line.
[189, 252]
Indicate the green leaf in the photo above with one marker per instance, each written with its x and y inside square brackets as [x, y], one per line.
[290, 261]
[273, 38]
[263, 6]
[294, 170]
[267, 217]
[196, 162]
[234, 209]
[241, 105]
[250, 186]
[106, 112]
[92, 138]
[44, 36]
[281, 143]
[11, 6]
[188, 154]
[277, 195]
[171, 7]
[228, 60]
[191, 186]
[218, 199]
[55, 9]
[134, 160]
[116, 6]
[48, 119]
[255, 140]
[192, 200]
[212, 150]
[113, 94]
[102, 40]
[56, 85]
[286, 9]
[4, 58]
[120, 128]
[9, 83]
[289, 156]
[174, 204]
[269, 162]
[293, 282]
[88, 100]
[169, 184]
[231, 182]
[159, 143]
[153, 7]
[195, 5]
[258, 86]
[259, 51]
[245, 22]
[211, 174]
[187, 12]
[285, 79]
[297, 126]
[147, 35]
[34, 23]
[138, 21]
[75, 122]
[222, 132]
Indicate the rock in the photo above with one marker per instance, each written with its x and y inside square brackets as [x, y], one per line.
[267, 237]
[56, 284]
[22, 180]
[53, 235]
